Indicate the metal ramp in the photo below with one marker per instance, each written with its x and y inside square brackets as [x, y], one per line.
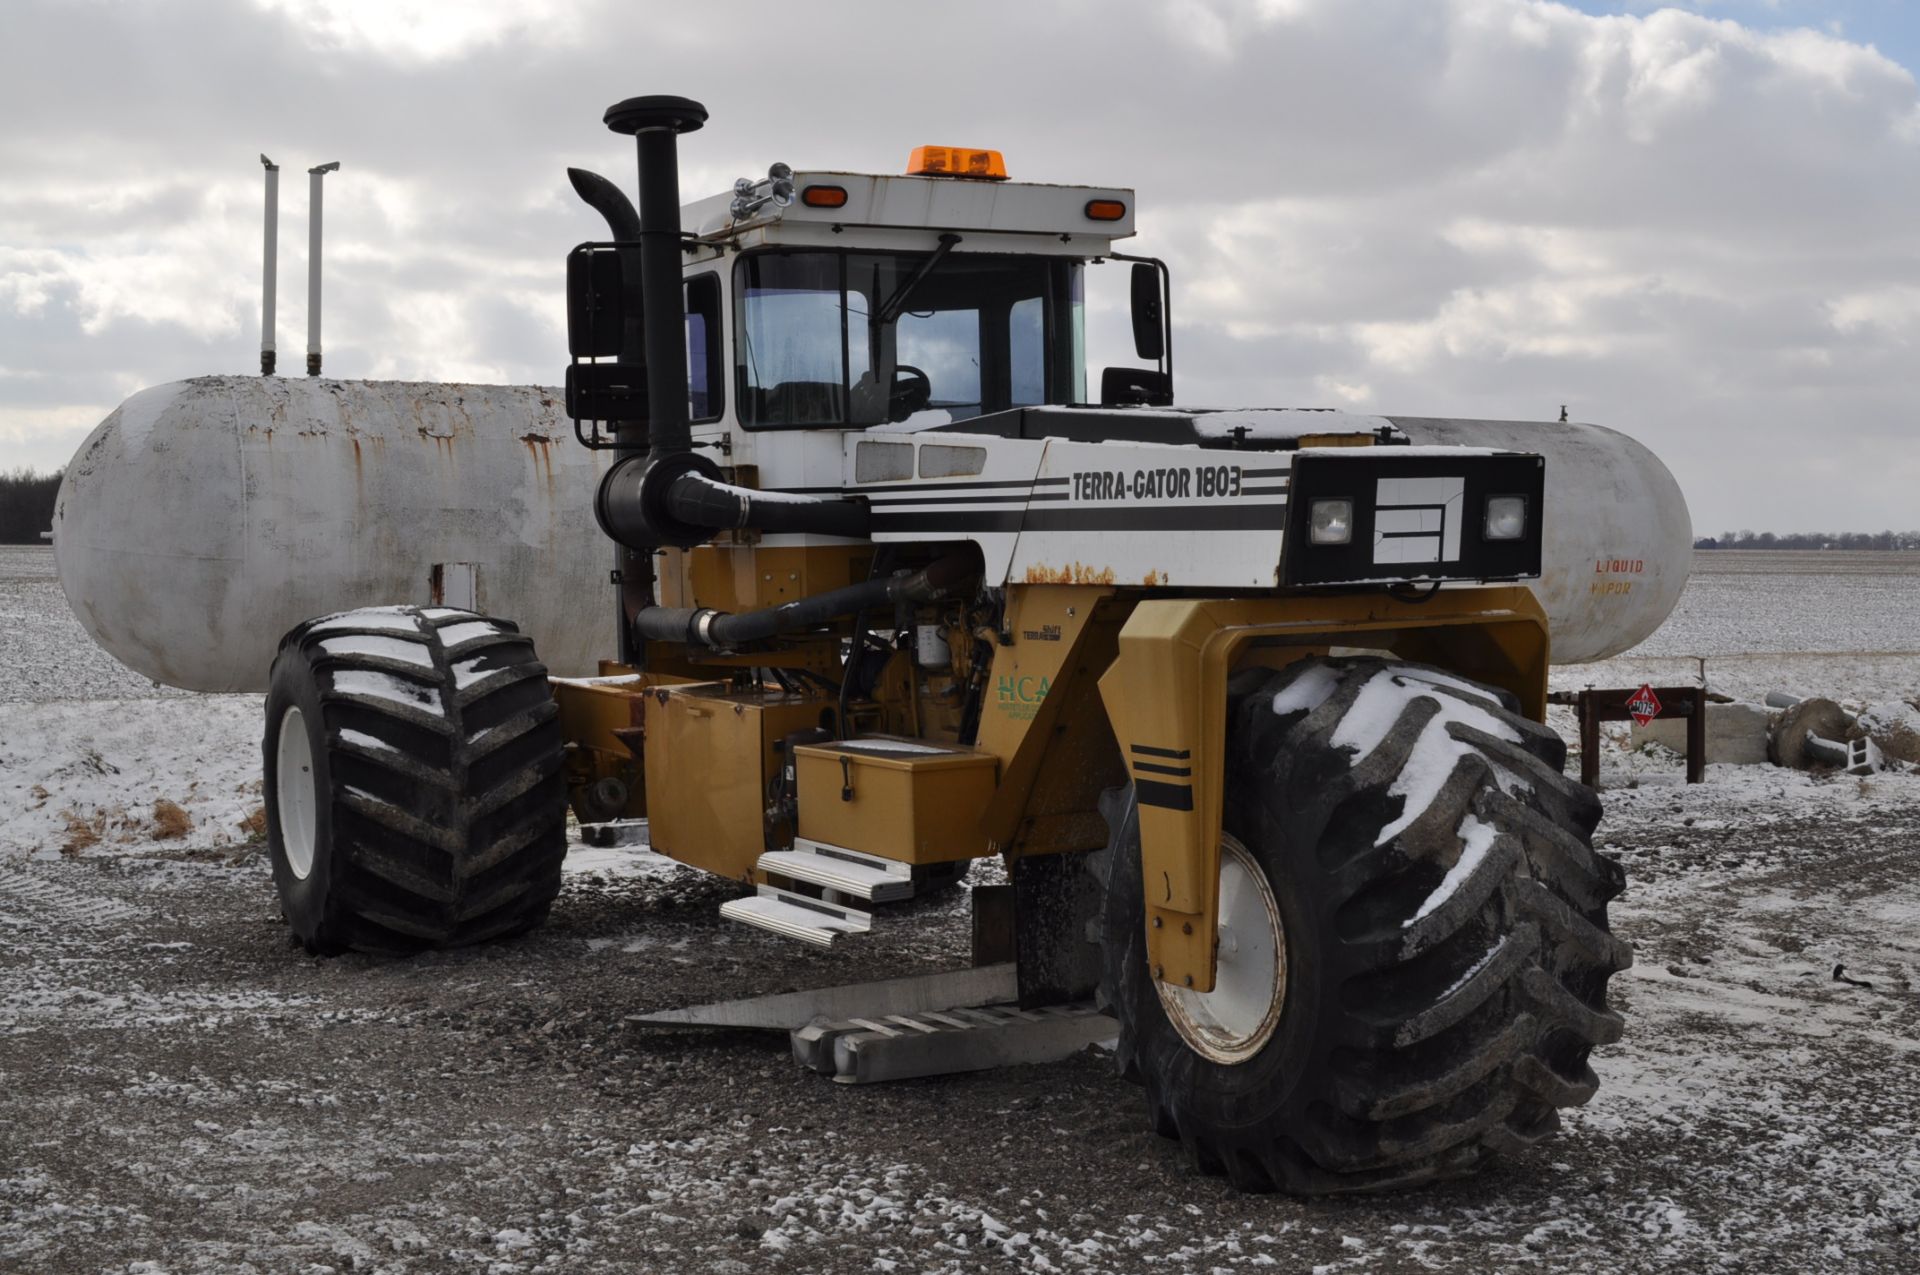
[860, 1051]
[901, 1028]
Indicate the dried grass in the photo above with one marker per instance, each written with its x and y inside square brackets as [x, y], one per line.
[170, 821]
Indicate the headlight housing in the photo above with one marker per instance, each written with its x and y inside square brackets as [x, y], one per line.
[1331, 522]
[1506, 518]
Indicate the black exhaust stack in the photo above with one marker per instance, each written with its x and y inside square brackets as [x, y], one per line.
[655, 124]
[670, 494]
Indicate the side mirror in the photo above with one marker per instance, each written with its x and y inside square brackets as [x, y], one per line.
[1136, 387]
[1149, 316]
[596, 303]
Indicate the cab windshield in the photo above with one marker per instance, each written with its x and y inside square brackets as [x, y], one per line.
[862, 339]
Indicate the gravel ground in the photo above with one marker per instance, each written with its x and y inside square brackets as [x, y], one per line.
[181, 1091]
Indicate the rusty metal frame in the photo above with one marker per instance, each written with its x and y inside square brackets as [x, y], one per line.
[1610, 705]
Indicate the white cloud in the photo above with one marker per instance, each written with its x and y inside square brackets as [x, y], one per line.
[427, 30]
[1692, 229]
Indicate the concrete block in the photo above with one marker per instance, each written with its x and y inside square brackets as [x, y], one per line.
[1736, 734]
[1895, 727]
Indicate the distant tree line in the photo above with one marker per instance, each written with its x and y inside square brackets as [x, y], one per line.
[26, 505]
[1811, 540]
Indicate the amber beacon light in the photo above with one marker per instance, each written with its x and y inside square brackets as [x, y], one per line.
[957, 161]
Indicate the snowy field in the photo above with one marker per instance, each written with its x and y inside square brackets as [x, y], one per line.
[181, 1091]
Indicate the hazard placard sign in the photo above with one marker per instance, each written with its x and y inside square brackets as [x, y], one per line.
[1645, 705]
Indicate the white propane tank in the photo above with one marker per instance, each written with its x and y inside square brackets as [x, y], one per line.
[204, 518]
[1618, 541]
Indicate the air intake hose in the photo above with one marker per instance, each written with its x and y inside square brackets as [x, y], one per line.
[645, 502]
[724, 630]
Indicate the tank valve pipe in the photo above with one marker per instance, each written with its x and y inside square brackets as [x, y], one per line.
[313, 263]
[722, 630]
[269, 270]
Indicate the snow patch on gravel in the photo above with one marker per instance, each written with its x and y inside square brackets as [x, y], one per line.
[83, 777]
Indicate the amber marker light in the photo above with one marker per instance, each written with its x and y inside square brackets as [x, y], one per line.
[1105, 210]
[957, 161]
[824, 196]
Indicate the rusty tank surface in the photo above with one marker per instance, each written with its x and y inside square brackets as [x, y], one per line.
[204, 518]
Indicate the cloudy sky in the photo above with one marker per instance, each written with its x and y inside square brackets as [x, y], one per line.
[1698, 224]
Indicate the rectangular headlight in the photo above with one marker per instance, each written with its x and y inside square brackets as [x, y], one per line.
[1331, 522]
[1506, 517]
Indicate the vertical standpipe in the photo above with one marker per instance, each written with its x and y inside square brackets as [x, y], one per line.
[269, 270]
[313, 264]
[656, 124]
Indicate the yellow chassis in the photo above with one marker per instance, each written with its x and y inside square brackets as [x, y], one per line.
[1095, 684]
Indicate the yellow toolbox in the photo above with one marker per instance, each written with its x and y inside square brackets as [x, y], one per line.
[901, 799]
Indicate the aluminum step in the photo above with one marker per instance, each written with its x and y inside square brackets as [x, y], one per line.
[863, 876]
[859, 1051]
[796, 916]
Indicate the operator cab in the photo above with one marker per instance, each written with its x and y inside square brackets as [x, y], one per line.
[826, 301]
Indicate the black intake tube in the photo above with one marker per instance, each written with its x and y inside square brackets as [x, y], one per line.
[705, 503]
[644, 502]
[723, 630]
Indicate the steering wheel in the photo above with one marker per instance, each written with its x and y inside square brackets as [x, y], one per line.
[909, 395]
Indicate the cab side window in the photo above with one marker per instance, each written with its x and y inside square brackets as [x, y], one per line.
[706, 377]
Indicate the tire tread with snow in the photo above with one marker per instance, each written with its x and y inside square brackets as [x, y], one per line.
[438, 797]
[1447, 942]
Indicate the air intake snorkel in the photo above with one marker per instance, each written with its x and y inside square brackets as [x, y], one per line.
[668, 495]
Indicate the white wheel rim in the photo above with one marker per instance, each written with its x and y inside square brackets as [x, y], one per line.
[294, 799]
[1234, 1021]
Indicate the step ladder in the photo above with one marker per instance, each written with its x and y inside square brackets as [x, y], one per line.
[839, 873]
[797, 916]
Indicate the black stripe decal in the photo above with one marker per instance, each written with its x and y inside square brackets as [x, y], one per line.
[1223, 517]
[1147, 750]
[950, 520]
[1264, 473]
[1243, 517]
[1165, 796]
[1000, 484]
[1182, 772]
[896, 502]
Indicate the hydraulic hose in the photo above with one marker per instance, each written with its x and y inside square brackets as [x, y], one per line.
[722, 630]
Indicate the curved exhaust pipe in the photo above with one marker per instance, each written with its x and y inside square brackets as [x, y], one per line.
[623, 226]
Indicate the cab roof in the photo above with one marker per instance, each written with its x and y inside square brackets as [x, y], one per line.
[888, 211]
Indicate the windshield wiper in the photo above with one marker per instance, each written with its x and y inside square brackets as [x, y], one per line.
[898, 301]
